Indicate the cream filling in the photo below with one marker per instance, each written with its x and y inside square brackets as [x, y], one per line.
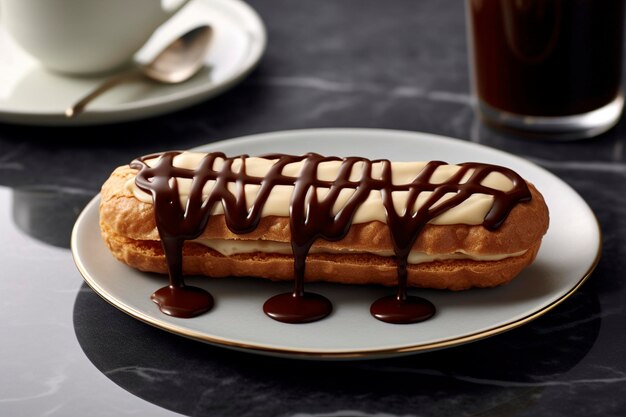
[472, 211]
[232, 247]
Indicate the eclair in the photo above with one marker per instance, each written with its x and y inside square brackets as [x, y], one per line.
[344, 220]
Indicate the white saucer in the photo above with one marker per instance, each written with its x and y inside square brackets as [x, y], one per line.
[31, 95]
[569, 253]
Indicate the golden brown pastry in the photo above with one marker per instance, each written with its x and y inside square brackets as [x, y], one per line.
[456, 249]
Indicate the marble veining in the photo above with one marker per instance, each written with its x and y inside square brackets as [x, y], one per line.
[539, 382]
[15, 166]
[351, 413]
[151, 375]
[342, 87]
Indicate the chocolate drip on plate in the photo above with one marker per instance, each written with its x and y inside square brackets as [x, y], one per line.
[311, 218]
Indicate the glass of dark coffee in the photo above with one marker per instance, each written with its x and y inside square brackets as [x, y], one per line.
[550, 68]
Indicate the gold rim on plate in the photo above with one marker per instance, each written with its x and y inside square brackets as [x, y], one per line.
[355, 354]
[371, 353]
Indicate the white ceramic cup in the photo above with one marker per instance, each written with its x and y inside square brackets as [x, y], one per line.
[84, 36]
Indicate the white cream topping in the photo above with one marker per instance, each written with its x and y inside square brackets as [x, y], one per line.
[472, 211]
[232, 247]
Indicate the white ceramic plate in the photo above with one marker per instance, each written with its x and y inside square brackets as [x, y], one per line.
[569, 253]
[31, 95]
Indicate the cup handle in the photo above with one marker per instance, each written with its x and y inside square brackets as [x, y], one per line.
[170, 8]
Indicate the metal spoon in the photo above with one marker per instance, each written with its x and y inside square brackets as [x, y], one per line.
[176, 63]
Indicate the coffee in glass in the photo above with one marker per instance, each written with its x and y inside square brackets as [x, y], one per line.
[550, 67]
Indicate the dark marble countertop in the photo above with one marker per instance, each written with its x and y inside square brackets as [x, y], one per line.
[398, 65]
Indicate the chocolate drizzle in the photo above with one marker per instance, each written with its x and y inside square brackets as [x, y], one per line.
[310, 219]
